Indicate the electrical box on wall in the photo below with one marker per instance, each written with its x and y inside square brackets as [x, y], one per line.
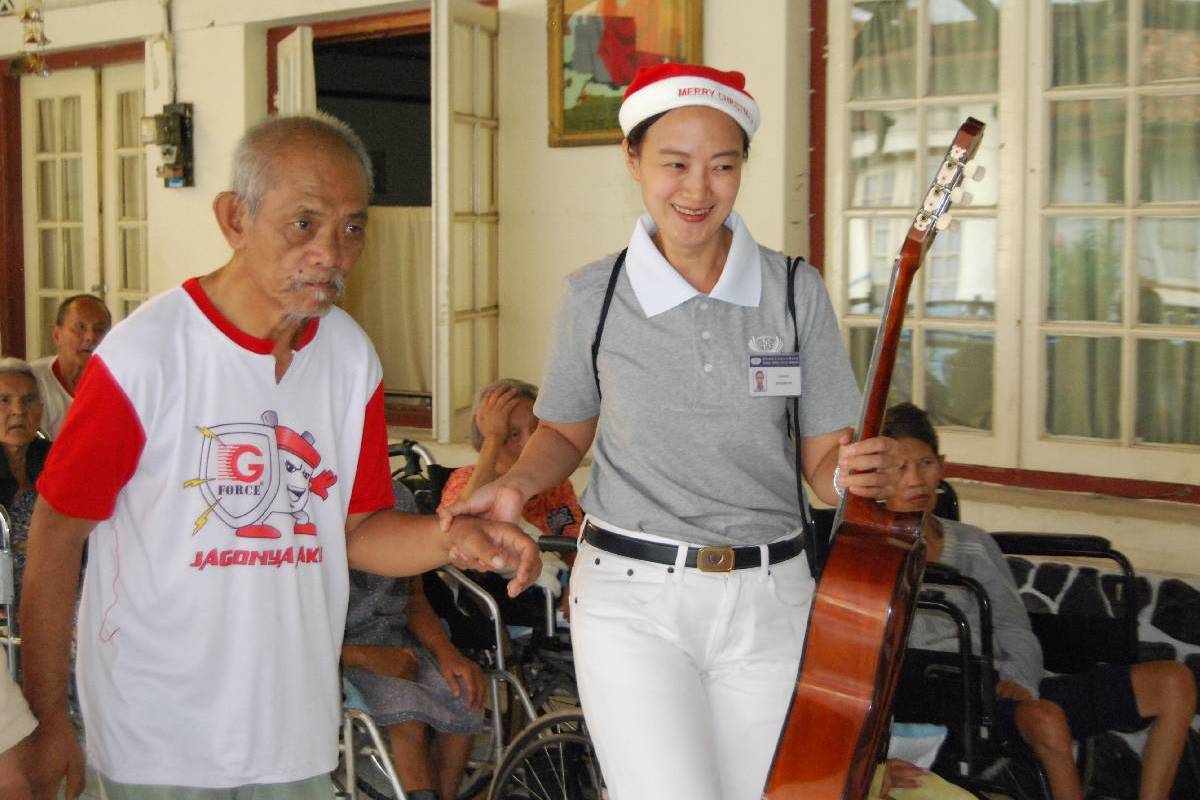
[172, 131]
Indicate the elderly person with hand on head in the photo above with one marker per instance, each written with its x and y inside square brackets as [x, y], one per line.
[233, 440]
[79, 326]
[24, 454]
[500, 429]
[690, 593]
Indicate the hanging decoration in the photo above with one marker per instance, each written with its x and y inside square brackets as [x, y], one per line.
[34, 39]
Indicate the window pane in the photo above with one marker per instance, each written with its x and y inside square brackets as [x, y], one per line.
[1084, 258]
[1087, 41]
[1083, 386]
[1171, 148]
[49, 270]
[861, 342]
[1170, 39]
[71, 125]
[487, 352]
[462, 189]
[72, 173]
[1168, 271]
[882, 159]
[47, 191]
[960, 271]
[1168, 391]
[941, 123]
[133, 267]
[885, 38]
[73, 257]
[45, 127]
[1087, 151]
[129, 187]
[965, 39]
[49, 312]
[958, 378]
[872, 249]
[129, 114]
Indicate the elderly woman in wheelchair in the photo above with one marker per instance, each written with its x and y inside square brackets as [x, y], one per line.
[401, 667]
[501, 425]
[24, 454]
[1047, 713]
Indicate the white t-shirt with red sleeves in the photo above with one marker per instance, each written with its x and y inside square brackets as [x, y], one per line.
[215, 597]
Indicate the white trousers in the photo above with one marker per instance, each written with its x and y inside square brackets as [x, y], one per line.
[685, 676]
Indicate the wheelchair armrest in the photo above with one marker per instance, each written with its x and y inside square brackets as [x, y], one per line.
[558, 544]
[1052, 544]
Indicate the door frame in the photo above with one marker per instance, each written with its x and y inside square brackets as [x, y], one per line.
[12, 249]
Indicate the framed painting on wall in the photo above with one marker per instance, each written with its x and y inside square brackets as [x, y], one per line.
[596, 46]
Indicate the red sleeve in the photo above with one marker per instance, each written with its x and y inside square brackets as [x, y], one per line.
[96, 451]
[373, 480]
[455, 484]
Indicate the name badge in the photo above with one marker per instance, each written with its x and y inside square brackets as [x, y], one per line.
[775, 375]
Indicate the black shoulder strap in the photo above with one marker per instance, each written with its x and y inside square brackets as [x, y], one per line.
[608, 296]
[812, 546]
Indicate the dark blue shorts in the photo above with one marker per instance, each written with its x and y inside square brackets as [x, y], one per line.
[1095, 701]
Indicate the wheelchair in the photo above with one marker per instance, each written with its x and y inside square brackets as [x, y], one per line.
[957, 690]
[552, 759]
[10, 640]
[529, 669]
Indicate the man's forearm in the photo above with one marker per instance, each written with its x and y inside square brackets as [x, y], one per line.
[396, 545]
[48, 592]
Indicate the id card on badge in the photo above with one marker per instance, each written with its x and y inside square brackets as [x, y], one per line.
[775, 375]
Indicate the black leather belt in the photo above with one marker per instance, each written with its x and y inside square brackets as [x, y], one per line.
[705, 559]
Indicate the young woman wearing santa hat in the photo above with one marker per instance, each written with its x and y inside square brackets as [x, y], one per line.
[690, 595]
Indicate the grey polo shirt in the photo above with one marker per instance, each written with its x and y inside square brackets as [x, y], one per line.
[683, 449]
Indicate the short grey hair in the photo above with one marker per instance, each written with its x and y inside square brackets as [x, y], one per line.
[526, 390]
[16, 366]
[259, 147]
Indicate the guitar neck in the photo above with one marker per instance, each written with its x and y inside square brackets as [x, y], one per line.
[883, 356]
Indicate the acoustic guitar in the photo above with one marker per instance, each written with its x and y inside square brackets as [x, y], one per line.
[841, 708]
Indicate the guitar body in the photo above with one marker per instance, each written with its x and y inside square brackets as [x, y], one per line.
[840, 714]
[856, 632]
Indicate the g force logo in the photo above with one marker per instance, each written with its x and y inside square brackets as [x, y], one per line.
[257, 479]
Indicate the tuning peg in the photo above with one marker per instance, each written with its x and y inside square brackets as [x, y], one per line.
[957, 195]
[944, 222]
[973, 170]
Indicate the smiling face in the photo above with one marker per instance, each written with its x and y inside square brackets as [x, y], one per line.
[920, 472]
[297, 476]
[689, 165]
[83, 326]
[309, 228]
[20, 409]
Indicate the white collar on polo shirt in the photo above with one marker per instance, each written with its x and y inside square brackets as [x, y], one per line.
[659, 287]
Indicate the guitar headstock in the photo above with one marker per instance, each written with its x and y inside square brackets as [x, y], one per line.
[946, 190]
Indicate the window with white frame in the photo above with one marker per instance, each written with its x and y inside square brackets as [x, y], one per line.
[1058, 327]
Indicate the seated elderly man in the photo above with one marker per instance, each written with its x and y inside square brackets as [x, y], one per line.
[1047, 713]
[80, 324]
[24, 453]
[235, 450]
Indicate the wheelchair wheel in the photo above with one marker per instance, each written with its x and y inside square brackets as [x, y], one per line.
[554, 766]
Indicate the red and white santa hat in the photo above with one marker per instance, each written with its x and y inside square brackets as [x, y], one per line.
[663, 87]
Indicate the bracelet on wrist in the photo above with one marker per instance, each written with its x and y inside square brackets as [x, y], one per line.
[837, 481]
